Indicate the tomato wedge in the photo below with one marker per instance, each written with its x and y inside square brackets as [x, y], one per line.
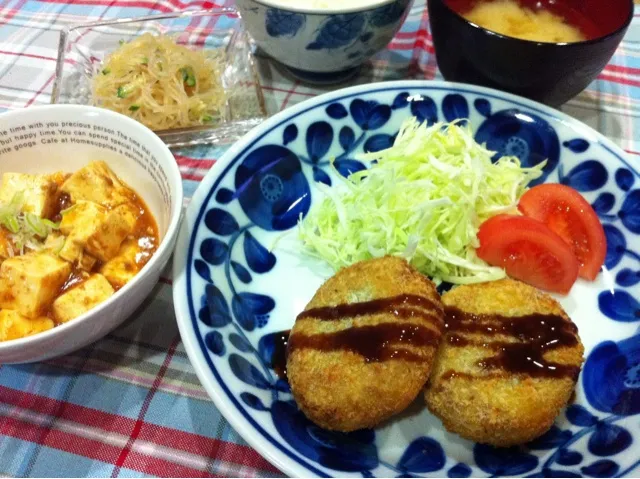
[529, 251]
[571, 217]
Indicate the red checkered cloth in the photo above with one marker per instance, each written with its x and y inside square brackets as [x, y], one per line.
[131, 404]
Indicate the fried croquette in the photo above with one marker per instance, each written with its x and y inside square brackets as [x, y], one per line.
[508, 362]
[362, 349]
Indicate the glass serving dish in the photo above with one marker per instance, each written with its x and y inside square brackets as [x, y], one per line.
[83, 48]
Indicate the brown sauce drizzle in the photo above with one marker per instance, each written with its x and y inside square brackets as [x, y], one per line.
[534, 334]
[279, 357]
[375, 343]
[402, 306]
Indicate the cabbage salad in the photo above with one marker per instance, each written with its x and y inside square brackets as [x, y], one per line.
[423, 199]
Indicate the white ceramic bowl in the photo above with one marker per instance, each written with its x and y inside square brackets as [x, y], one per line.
[322, 45]
[76, 135]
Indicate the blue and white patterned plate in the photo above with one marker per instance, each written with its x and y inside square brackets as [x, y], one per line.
[232, 293]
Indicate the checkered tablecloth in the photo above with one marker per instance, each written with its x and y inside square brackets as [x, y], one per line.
[131, 405]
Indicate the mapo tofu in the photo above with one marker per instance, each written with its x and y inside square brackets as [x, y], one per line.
[67, 243]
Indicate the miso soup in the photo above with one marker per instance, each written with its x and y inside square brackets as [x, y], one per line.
[550, 22]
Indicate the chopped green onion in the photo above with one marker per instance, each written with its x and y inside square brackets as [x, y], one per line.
[121, 42]
[68, 210]
[9, 213]
[36, 225]
[106, 71]
[207, 118]
[27, 229]
[12, 224]
[188, 76]
[134, 107]
[125, 90]
[145, 60]
[17, 201]
[57, 244]
[51, 224]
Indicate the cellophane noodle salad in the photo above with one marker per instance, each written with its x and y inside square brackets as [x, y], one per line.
[424, 199]
[162, 84]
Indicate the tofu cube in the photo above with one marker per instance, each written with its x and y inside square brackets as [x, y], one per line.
[13, 325]
[96, 230]
[74, 253]
[39, 192]
[96, 182]
[54, 242]
[71, 251]
[6, 245]
[29, 283]
[81, 219]
[81, 222]
[86, 262]
[119, 224]
[120, 269]
[80, 299]
[59, 178]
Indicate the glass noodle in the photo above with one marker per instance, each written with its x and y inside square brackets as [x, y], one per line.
[162, 84]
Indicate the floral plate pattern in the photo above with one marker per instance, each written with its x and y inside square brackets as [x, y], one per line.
[241, 277]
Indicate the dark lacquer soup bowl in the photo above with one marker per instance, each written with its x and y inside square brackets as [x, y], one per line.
[551, 73]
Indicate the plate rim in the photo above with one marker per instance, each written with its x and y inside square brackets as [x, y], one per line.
[228, 405]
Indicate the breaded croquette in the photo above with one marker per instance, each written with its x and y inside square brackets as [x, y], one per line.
[363, 348]
[508, 362]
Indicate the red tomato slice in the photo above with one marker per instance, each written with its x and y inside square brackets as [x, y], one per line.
[570, 216]
[529, 251]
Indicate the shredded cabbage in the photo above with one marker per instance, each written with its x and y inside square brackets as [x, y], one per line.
[423, 199]
[27, 230]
